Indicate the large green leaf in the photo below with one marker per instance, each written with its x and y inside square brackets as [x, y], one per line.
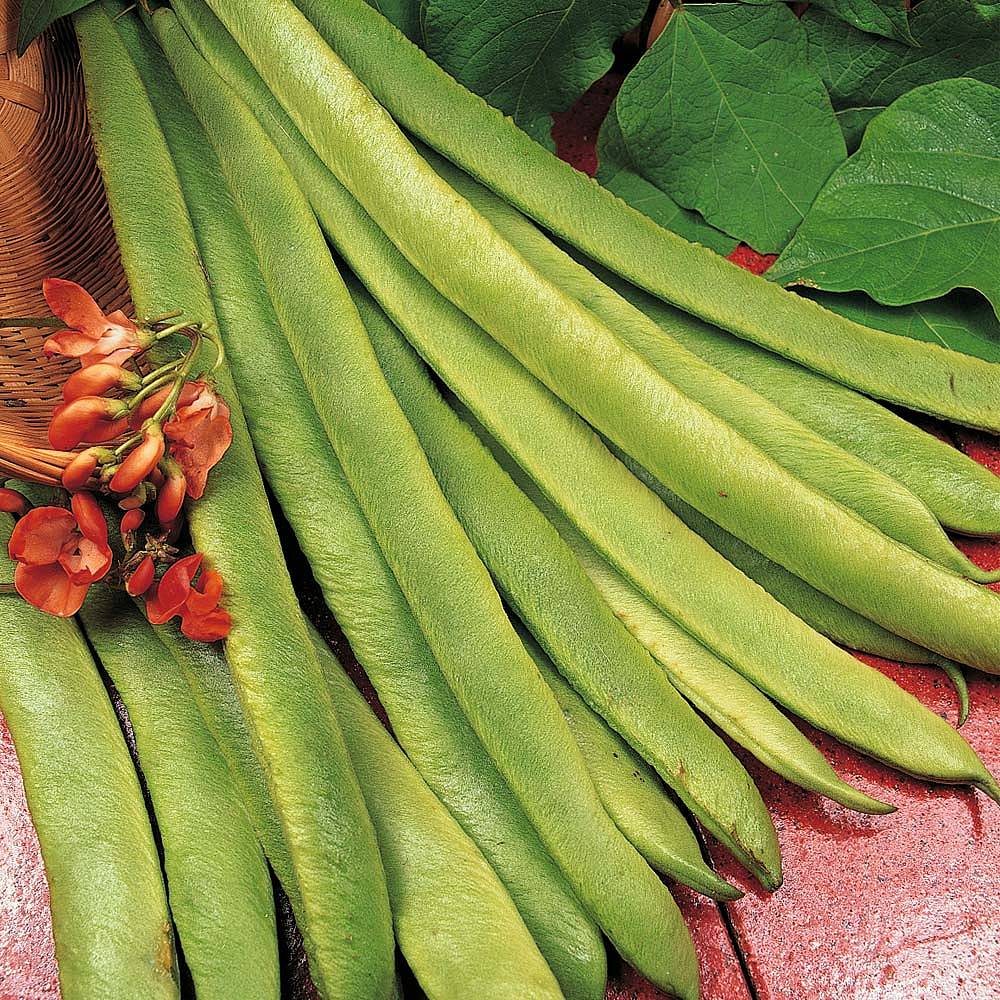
[725, 116]
[618, 173]
[37, 15]
[405, 14]
[953, 38]
[527, 57]
[962, 321]
[916, 211]
[877, 17]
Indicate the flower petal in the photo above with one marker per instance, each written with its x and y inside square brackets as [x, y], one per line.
[49, 589]
[207, 628]
[90, 517]
[70, 343]
[41, 535]
[205, 594]
[173, 590]
[86, 562]
[73, 305]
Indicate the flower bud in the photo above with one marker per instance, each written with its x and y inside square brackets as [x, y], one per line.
[79, 471]
[12, 502]
[172, 492]
[132, 520]
[142, 579]
[78, 420]
[95, 380]
[139, 462]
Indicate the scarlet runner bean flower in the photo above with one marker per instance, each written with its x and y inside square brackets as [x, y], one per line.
[12, 502]
[59, 554]
[195, 601]
[93, 337]
[200, 432]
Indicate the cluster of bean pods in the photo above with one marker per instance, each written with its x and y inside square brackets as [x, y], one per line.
[571, 487]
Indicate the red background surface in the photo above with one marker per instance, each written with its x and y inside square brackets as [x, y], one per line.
[902, 907]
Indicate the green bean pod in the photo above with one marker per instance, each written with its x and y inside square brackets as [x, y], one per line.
[722, 694]
[546, 586]
[218, 884]
[456, 925]
[839, 474]
[337, 877]
[824, 614]
[345, 558]
[512, 710]
[578, 357]
[632, 793]
[640, 536]
[961, 493]
[113, 935]
[486, 144]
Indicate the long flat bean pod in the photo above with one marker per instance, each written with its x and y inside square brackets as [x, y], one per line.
[630, 525]
[346, 561]
[546, 586]
[218, 884]
[839, 474]
[712, 685]
[633, 795]
[112, 931]
[456, 925]
[485, 143]
[336, 872]
[580, 359]
[512, 710]
[962, 494]
[719, 606]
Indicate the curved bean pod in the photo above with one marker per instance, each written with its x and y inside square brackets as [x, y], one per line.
[336, 868]
[456, 925]
[878, 498]
[218, 884]
[546, 586]
[112, 931]
[345, 558]
[634, 530]
[578, 357]
[962, 494]
[632, 793]
[485, 143]
[512, 710]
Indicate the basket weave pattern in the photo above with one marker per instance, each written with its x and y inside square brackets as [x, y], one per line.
[54, 222]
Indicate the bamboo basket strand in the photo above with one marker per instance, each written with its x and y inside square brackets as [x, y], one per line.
[54, 222]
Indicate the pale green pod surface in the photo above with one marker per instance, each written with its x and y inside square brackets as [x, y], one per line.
[336, 872]
[632, 793]
[541, 579]
[218, 884]
[456, 925]
[576, 356]
[877, 497]
[462, 126]
[711, 685]
[112, 931]
[512, 710]
[962, 494]
[346, 561]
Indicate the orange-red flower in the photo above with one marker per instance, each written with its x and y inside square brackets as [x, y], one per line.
[199, 433]
[89, 418]
[92, 337]
[173, 489]
[12, 502]
[197, 602]
[59, 554]
[97, 379]
[142, 578]
[139, 462]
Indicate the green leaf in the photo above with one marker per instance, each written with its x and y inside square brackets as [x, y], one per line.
[916, 211]
[725, 116]
[405, 14]
[952, 38]
[37, 15]
[962, 321]
[617, 173]
[876, 17]
[528, 57]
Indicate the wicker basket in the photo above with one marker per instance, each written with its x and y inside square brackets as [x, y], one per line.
[54, 222]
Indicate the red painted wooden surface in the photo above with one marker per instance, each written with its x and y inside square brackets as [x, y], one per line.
[905, 907]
